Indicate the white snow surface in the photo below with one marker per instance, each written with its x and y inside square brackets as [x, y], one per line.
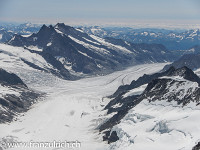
[158, 125]
[91, 41]
[26, 35]
[161, 125]
[10, 57]
[136, 91]
[35, 48]
[86, 45]
[72, 109]
[7, 90]
[49, 44]
[79, 30]
[110, 45]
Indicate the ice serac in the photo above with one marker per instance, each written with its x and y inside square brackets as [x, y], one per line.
[86, 54]
[180, 87]
[15, 96]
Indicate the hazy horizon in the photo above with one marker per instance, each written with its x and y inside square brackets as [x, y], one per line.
[182, 14]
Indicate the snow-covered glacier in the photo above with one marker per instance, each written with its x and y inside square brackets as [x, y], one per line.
[71, 110]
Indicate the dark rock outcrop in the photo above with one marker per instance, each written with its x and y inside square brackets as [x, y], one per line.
[16, 97]
[179, 85]
[196, 147]
[10, 79]
[110, 137]
[87, 54]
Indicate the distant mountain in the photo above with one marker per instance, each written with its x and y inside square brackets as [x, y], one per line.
[145, 52]
[192, 61]
[173, 40]
[22, 29]
[7, 31]
[5, 36]
[15, 96]
[95, 30]
[193, 50]
[81, 53]
[177, 86]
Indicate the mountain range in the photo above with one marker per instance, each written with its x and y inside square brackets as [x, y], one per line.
[22, 29]
[80, 53]
[159, 106]
[171, 39]
[5, 35]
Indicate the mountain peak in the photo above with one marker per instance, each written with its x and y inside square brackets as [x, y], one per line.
[64, 28]
[181, 71]
[60, 25]
[46, 30]
[43, 26]
[186, 73]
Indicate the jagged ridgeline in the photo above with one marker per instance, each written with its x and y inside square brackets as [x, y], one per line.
[180, 86]
[71, 51]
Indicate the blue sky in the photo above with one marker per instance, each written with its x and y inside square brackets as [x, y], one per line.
[100, 11]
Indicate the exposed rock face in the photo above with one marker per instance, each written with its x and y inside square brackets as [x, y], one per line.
[79, 52]
[110, 137]
[141, 81]
[181, 91]
[146, 52]
[196, 147]
[180, 86]
[191, 61]
[10, 79]
[15, 96]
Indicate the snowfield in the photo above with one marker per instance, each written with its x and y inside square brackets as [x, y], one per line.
[72, 110]
[12, 56]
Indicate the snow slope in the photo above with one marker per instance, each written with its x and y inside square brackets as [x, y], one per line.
[12, 56]
[32, 59]
[157, 126]
[160, 120]
[72, 109]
